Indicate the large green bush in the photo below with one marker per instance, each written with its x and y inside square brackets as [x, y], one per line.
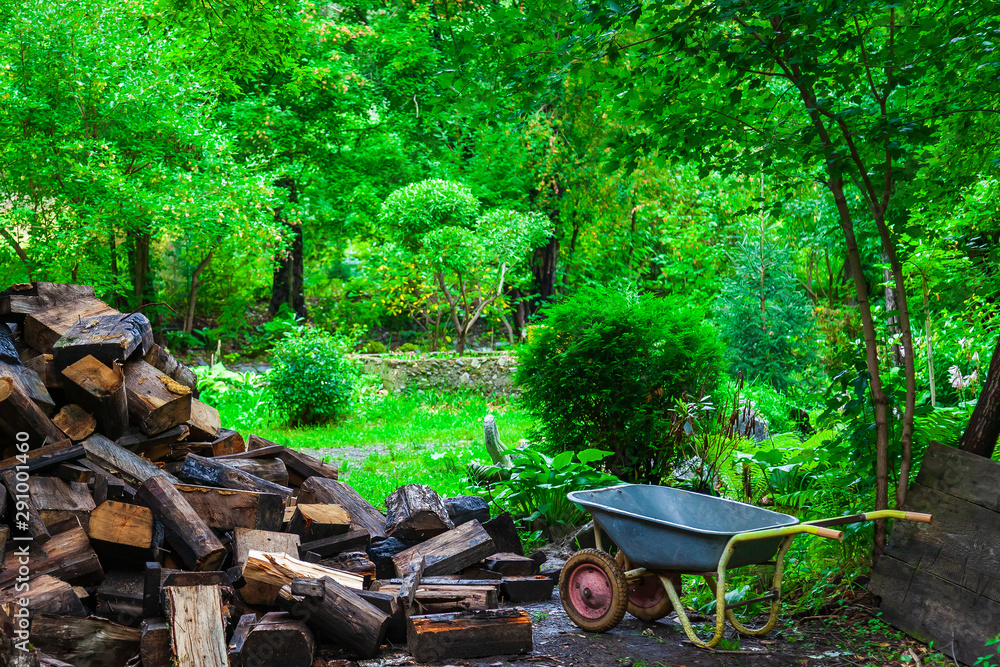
[605, 370]
[311, 378]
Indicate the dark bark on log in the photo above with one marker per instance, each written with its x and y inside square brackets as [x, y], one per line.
[981, 434]
[190, 536]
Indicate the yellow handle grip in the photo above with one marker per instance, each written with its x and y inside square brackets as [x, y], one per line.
[832, 534]
[917, 516]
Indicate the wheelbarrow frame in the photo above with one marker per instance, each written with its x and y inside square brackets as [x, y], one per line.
[724, 611]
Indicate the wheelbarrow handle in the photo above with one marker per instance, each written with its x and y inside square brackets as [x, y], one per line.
[831, 534]
[917, 516]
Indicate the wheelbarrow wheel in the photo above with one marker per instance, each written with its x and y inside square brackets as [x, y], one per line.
[647, 599]
[593, 590]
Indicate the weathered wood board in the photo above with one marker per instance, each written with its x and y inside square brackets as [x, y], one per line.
[940, 582]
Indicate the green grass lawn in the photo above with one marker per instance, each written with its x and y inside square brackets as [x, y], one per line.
[409, 438]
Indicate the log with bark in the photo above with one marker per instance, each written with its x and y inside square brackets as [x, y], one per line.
[111, 339]
[469, 634]
[329, 491]
[316, 522]
[197, 626]
[277, 638]
[156, 401]
[100, 390]
[450, 552]
[187, 532]
[416, 512]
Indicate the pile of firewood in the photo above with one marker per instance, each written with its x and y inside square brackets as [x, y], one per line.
[133, 527]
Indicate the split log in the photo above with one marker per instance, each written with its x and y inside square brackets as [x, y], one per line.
[164, 362]
[416, 512]
[8, 351]
[154, 646]
[265, 541]
[352, 541]
[209, 471]
[26, 514]
[75, 422]
[331, 492]
[257, 442]
[447, 598]
[107, 486]
[100, 390]
[122, 524]
[469, 635]
[382, 551]
[45, 457]
[261, 453]
[171, 451]
[302, 466]
[411, 579]
[135, 440]
[68, 556]
[280, 569]
[45, 595]
[19, 414]
[226, 509]
[197, 626]
[449, 552]
[155, 401]
[120, 598]
[351, 561]
[271, 470]
[316, 522]
[189, 535]
[463, 509]
[43, 328]
[44, 366]
[111, 339]
[30, 382]
[395, 631]
[23, 299]
[113, 457]
[94, 642]
[277, 638]
[231, 442]
[57, 500]
[69, 472]
[503, 532]
[512, 565]
[341, 615]
[204, 423]
[537, 588]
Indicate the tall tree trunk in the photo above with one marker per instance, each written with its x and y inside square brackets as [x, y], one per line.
[929, 333]
[115, 286]
[193, 292]
[140, 263]
[288, 284]
[981, 434]
[21, 254]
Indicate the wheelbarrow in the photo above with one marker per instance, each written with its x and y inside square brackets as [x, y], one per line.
[663, 533]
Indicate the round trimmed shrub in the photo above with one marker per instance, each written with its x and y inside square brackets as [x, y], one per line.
[311, 378]
[604, 371]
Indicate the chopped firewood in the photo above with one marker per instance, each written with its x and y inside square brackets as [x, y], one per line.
[45, 595]
[164, 362]
[154, 647]
[45, 367]
[536, 588]
[415, 512]
[226, 509]
[329, 491]
[106, 485]
[231, 442]
[75, 422]
[8, 351]
[512, 565]
[468, 634]
[122, 524]
[134, 441]
[316, 522]
[463, 509]
[280, 569]
[155, 401]
[19, 414]
[271, 470]
[204, 423]
[187, 533]
[68, 556]
[100, 390]
[27, 511]
[30, 382]
[111, 339]
[449, 552]
[119, 597]
[350, 541]
[57, 500]
[94, 642]
[388, 603]
[445, 598]
[43, 328]
[411, 579]
[22, 299]
[257, 592]
[342, 616]
[197, 626]
[277, 637]
[217, 473]
[73, 473]
[113, 457]
[503, 532]
[351, 561]
[45, 457]
[302, 466]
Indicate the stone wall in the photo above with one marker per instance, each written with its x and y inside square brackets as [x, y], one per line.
[485, 373]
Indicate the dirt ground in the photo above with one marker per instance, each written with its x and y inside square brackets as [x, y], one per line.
[854, 637]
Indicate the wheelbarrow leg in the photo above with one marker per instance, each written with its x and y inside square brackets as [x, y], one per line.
[720, 618]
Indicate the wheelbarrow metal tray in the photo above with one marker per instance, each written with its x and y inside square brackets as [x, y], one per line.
[662, 528]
